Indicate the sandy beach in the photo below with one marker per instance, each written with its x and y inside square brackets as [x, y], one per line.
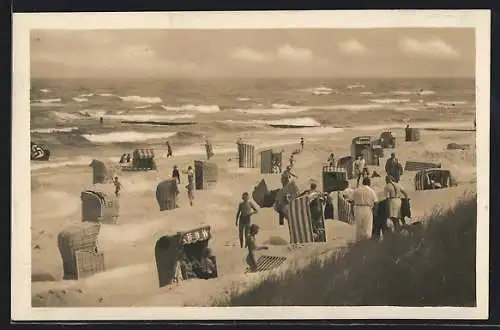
[131, 279]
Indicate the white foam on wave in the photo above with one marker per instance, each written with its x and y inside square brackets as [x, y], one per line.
[449, 104]
[45, 105]
[126, 136]
[307, 131]
[143, 106]
[243, 99]
[426, 92]
[79, 161]
[407, 108]
[64, 116]
[149, 117]
[45, 90]
[405, 92]
[92, 113]
[55, 100]
[366, 93]
[86, 95]
[350, 107]
[305, 121]
[80, 99]
[320, 90]
[302, 121]
[54, 130]
[271, 111]
[106, 94]
[192, 107]
[355, 86]
[141, 99]
[389, 101]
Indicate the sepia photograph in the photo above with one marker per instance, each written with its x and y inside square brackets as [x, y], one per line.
[251, 162]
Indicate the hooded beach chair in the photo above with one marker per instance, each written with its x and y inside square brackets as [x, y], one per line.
[246, 155]
[303, 227]
[100, 204]
[169, 250]
[39, 152]
[167, 193]
[78, 248]
[424, 179]
[205, 175]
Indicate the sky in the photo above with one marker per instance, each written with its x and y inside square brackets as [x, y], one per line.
[280, 53]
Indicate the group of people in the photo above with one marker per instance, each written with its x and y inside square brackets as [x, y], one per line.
[365, 202]
[203, 267]
[190, 178]
[246, 230]
[125, 158]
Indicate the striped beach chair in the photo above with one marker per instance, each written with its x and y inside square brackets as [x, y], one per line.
[299, 221]
[246, 154]
[345, 210]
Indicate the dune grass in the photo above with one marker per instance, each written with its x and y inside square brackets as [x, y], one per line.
[433, 267]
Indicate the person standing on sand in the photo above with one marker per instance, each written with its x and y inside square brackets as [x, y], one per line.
[252, 246]
[101, 120]
[176, 174]
[287, 175]
[169, 150]
[359, 165]
[394, 192]
[246, 209]
[190, 185]
[301, 143]
[393, 168]
[128, 158]
[364, 199]
[118, 185]
[331, 160]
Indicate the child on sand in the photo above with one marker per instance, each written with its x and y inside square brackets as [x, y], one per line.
[252, 246]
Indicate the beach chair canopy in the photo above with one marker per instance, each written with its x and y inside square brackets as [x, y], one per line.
[443, 177]
[170, 249]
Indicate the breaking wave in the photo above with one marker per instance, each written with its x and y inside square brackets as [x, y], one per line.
[355, 86]
[147, 106]
[366, 93]
[106, 94]
[45, 90]
[80, 99]
[303, 121]
[54, 130]
[192, 107]
[276, 109]
[126, 136]
[86, 95]
[141, 99]
[64, 116]
[243, 99]
[351, 107]
[54, 164]
[144, 117]
[56, 100]
[92, 113]
[389, 101]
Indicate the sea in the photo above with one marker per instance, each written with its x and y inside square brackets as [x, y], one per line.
[65, 113]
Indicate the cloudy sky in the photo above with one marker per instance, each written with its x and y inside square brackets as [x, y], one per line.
[311, 53]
